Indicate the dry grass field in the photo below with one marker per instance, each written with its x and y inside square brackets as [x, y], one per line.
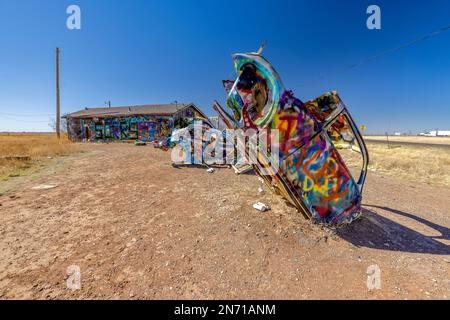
[415, 163]
[425, 164]
[24, 153]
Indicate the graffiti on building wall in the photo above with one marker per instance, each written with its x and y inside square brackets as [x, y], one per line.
[125, 128]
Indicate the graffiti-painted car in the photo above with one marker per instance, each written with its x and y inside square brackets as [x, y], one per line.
[195, 144]
[311, 174]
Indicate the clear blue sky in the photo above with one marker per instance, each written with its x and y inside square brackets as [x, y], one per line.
[139, 52]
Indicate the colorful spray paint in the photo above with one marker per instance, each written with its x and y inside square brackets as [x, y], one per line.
[312, 174]
[142, 128]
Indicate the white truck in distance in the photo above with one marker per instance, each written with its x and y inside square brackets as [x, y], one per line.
[436, 133]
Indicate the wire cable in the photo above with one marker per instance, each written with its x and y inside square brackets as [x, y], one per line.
[385, 53]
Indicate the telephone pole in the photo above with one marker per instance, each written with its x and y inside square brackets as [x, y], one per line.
[58, 132]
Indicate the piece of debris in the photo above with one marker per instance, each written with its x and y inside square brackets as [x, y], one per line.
[260, 190]
[140, 143]
[239, 169]
[261, 206]
[44, 187]
[18, 158]
[210, 170]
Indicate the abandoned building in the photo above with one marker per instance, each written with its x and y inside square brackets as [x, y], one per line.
[143, 123]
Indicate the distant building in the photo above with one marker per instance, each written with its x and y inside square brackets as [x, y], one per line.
[436, 133]
[144, 123]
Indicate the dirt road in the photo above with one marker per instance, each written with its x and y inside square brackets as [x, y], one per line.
[139, 228]
[414, 140]
[407, 143]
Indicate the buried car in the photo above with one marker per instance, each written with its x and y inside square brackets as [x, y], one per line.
[195, 144]
[200, 143]
[310, 173]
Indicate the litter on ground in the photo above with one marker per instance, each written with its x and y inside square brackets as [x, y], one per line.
[261, 206]
[44, 187]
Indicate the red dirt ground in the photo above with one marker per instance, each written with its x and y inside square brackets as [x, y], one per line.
[139, 228]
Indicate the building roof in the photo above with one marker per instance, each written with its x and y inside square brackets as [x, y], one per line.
[148, 109]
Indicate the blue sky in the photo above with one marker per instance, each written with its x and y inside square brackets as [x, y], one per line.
[140, 52]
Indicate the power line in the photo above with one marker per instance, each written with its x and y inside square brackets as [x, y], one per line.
[27, 115]
[20, 120]
[388, 52]
[409, 44]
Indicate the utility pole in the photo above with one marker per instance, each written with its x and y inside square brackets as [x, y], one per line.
[108, 103]
[58, 132]
[387, 140]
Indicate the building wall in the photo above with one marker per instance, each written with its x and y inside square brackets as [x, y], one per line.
[188, 113]
[143, 128]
